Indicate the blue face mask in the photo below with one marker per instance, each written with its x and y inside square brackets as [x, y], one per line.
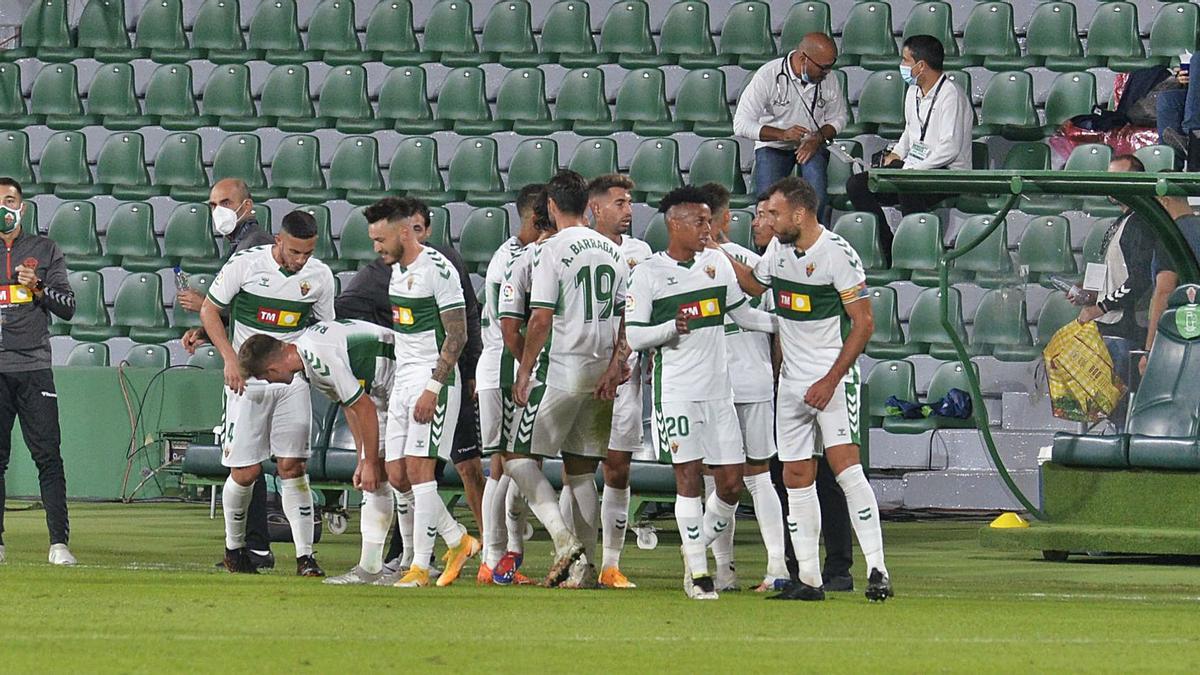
[804, 78]
[906, 74]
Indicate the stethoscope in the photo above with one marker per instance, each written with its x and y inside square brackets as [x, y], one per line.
[784, 83]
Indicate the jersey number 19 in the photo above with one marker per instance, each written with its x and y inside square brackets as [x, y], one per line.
[598, 288]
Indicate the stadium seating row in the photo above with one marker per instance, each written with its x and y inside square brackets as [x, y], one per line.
[989, 37]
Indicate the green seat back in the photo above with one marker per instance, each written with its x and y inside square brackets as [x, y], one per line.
[240, 156]
[111, 91]
[325, 250]
[686, 30]
[12, 101]
[356, 242]
[89, 354]
[862, 232]
[804, 18]
[1053, 31]
[1045, 246]
[14, 157]
[1001, 319]
[718, 160]
[989, 31]
[89, 299]
[1028, 155]
[581, 97]
[868, 31]
[182, 318]
[522, 95]
[924, 321]
[747, 31]
[1071, 94]
[105, 25]
[207, 357]
[122, 161]
[390, 28]
[274, 28]
[73, 228]
[1089, 157]
[932, 18]
[918, 242]
[1057, 311]
[218, 26]
[45, 25]
[403, 95]
[656, 232]
[439, 226]
[534, 161]
[949, 376]
[989, 256]
[509, 29]
[887, 317]
[475, 166]
[130, 231]
[1175, 30]
[331, 28]
[64, 160]
[642, 97]
[148, 356]
[179, 162]
[741, 229]
[882, 99]
[450, 28]
[1156, 157]
[227, 92]
[1167, 403]
[482, 234]
[463, 96]
[1093, 245]
[655, 166]
[169, 92]
[415, 166]
[297, 164]
[702, 98]
[160, 25]
[1009, 101]
[56, 91]
[189, 233]
[626, 29]
[139, 302]
[285, 93]
[568, 29]
[594, 157]
[355, 165]
[887, 379]
[344, 94]
[1114, 31]
[838, 171]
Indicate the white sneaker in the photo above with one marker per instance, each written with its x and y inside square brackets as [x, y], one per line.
[61, 555]
[582, 575]
[701, 588]
[727, 580]
[355, 577]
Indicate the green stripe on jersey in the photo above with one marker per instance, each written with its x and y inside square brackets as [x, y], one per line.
[806, 302]
[364, 350]
[269, 314]
[704, 307]
[416, 315]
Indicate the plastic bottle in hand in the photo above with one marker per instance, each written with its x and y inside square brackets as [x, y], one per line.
[181, 279]
[1074, 293]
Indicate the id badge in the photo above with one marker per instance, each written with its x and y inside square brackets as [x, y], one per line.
[919, 151]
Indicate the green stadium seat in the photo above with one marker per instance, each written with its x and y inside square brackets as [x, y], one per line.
[483, 233]
[1071, 94]
[1051, 39]
[686, 36]
[13, 112]
[91, 321]
[1093, 245]
[189, 240]
[439, 226]
[655, 169]
[111, 98]
[1002, 327]
[331, 33]
[121, 166]
[594, 157]
[990, 40]
[917, 248]
[887, 379]
[656, 233]
[740, 228]
[55, 95]
[296, 167]
[881, 104]
[1157, 157]
[887, 342]
[809, 17]
[274, 32]
[867, 37]
[926, 18]
[642, 104]
[521, 102]
[94, 355]
[44, 33]
[581, 102]
[1057, 311]
[15, 162]
[475, 171]
[217, 33]
[139, 307]
[73, 228]
[1008, 109]
[106, 37]
[354, 171]
[990, 262]
[862, 233]
[404, 103]
[925, 331]
[130, 237]
[839, 172]
[1033, 155]
[227, 98]
[179, 166]
[567, 35]
[626, 36]
[450, 34]
[64, 166]
[30, 220]
[1085, 157]
[947, 376]
[414, 171]
[701, 103]
[390, 34]
[262, 213]
[170, 100]
[1045, 249]
[207, 357]
[356, 243]
[962, 78]
[534, 161]
[160, 32]
[286, 100]
[148, 356]
[718, 160]
[462, 101]
[746, 35]
[325, 251]
[1113, 37]
[508, 35]
[240, 156]
[344, 100]
[180, 317]
[1174, 31]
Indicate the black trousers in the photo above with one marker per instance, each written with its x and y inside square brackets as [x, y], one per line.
[258, 537]
[865, 200]
[30, 396]
[835, 521]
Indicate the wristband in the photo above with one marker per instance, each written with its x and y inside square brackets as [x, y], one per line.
[434, 387]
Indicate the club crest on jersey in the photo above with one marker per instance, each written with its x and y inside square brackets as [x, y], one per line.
[710, 271]
[674, 446]
[278, 317]
[402, 316]
[797, 302]
[810, 268]
[411, 281]
[700, 308]
[305, 287]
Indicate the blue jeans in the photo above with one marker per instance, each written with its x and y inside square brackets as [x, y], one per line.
[771, 164]
[1180, 108]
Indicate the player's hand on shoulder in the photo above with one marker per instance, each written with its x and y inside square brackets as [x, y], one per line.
[681, 323]
[193, 338]
[233, 377]
[821, 392]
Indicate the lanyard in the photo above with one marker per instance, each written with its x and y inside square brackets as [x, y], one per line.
[928, 115]
[785, 71]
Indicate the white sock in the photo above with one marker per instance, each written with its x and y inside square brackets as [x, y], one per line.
[864, 515]
[689, 516]
[804, 521]
[426, 519]
[718, 529]
[405, 502]
[710, 486]
[375, 523]
[298, 507]
[566, 504]
[614, 516]
[769, 513]
[586, 511]
[539, 494]
[493, 529]
[234, 501]
[515, 516]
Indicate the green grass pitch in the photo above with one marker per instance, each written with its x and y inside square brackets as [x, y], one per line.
[146, 598]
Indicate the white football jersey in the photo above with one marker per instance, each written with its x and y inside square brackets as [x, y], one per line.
[810, 290]
[347, 358]
[263, 298]
[582, 276]
[635, 252]
[496, 367]
[514, 289]
[750, 370]
[691, 367]
[419, 294]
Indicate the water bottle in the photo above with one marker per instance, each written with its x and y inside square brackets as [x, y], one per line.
[181, 279]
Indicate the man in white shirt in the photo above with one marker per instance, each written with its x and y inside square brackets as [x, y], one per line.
[938, 118]
[791, 110]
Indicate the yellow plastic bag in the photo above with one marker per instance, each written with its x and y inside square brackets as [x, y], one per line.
[1083, 386]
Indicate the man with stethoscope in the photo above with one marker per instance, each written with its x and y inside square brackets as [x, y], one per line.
[792, 110]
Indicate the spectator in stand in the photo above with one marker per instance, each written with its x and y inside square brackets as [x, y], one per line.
[1179, 112]
[1165, 277]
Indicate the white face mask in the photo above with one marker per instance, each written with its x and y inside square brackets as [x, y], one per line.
[224, 220]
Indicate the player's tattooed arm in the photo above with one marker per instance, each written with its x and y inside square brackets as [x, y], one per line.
[454, 322]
